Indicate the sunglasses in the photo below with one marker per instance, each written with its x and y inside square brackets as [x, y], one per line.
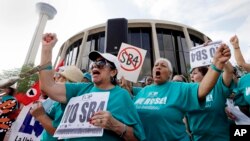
[100, 64]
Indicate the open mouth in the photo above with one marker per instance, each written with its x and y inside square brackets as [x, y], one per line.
[94, 72]
[157, 73]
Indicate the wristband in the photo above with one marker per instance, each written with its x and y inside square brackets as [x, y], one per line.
[124, 130]
[213, 67]
[48, 68]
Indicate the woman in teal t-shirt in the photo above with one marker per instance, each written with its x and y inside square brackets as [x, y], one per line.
[120, 121]
[50, 118]
[162, 105]
[211, 122]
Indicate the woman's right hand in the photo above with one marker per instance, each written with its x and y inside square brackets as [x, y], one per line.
[222, 55]
[49, 40]
[37, 110]
[230, 115]
[234, 41]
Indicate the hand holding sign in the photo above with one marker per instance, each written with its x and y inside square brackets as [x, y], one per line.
[104, 119]
[202, 55]
[222, 55]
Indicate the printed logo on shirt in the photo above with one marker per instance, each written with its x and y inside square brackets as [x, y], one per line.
[209, 100]
[152, 94]
[150, 103]
[247, 91]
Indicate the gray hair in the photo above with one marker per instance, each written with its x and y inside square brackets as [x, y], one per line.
[169, 65]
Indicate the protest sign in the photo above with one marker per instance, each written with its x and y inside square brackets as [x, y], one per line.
[203, 55]
[131, 59]
[79, 110]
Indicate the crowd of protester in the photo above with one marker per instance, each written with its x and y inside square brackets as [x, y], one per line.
[165, 107]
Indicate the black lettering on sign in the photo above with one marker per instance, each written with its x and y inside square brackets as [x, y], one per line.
[212, 52]
[73, 113]
[82, 117]
[67, 113]
[122, 60]
[192, 57]
[129, 58]
[89, 108]
[204, 54]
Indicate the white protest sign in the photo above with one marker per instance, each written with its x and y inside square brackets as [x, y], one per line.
[131, 59]
[75, 120]
[25, 128]
[203, 55]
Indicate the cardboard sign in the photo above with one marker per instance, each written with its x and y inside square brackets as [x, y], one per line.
[203, 55]
[25, 127]
[75, 120]
[131, 59]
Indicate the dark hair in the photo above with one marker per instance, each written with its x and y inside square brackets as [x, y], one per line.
[114, 78]
[203, 70]
[11, 91]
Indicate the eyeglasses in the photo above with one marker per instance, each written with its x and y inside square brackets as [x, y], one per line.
[100, 64]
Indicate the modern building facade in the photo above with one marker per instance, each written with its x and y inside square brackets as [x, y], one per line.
[160, 38]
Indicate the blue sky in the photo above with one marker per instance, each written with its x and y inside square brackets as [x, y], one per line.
[218, 19]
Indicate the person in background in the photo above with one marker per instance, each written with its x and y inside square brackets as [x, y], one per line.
[9, 109]
[238, 55]
[162, 105]
[242, 94]
[179, 78]
[148, 80]
[120, 121]
[217, 127]
[50, 116]
[86, 77]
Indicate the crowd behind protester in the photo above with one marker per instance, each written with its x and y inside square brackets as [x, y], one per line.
[117, 124]
[156, 110]
[51, 117]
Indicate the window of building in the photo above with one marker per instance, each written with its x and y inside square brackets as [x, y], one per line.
[72, 53]
[141, 37]
[195, 40]
[173, 46]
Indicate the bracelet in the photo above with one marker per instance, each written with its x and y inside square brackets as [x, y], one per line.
[237, 48]
[124, 130]
[213, 67]
[48, 68]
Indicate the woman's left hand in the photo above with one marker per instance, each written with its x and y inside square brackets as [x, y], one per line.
[104, 119]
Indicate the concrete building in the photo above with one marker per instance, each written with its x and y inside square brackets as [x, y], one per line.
[160, 38]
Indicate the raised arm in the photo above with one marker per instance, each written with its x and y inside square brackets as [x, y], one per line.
[222, 55]
[228, 74]
[55, 91]
[238, 55]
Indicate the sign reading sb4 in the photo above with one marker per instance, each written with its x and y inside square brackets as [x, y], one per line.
[131, 59]
[203, 55]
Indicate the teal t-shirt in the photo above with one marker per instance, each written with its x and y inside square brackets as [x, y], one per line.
[136, 90]
[244, 87]
[55, 113]
[120, 105]
[211, 122]
[162, 107]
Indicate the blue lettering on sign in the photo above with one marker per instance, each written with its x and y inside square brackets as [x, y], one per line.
[28, 129]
